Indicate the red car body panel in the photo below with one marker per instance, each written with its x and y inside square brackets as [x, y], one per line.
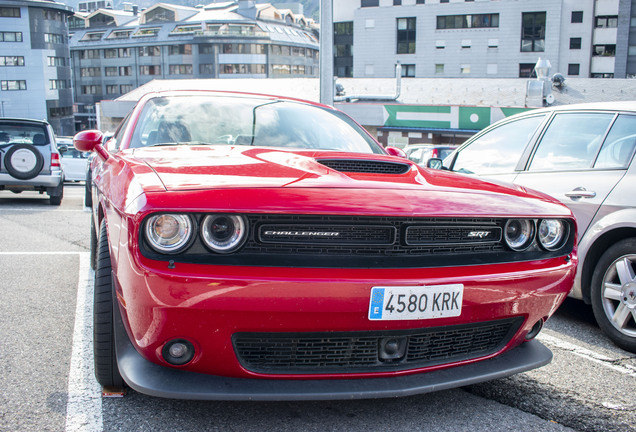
[160, 300]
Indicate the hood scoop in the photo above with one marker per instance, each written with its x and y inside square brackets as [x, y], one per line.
[365, 166]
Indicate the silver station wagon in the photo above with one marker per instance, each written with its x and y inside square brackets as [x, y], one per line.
[582, 155]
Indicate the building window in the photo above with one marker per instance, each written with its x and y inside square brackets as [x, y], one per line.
[526, 70]
[60, 112]
[406, 31]
[89, 54]
[125, 70]
[574, 69]
[606, 22]
[10, 36]
[602, 75]
[577, 17]
[90, 89]
[493, 43]
[54, 38]
[206, 69]
[533, 32]
[446, 22]
[206, 49]
[185, 49]
[9, 12]
[149, 70]
[149, 51]
[397, 2]
[180, 69]
[464, 69]
[420, 2]
[466, 43]
[439, 68]
[125, 88]
[575, 43]
[90, 72]
[124, 52]
[408, 71]
[59, 84]
[111, 71]
[604, 50]
[11, 61]
[112, 89]
[370, 3]
[110, 53]
[440, 44]
[443, 1]
[252, 49]
[56, 61]
[146, 32]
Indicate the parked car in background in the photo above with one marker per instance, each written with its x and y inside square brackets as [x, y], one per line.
[257, 247]
[582, 155]
[74, 162]
[29, 160]
[421, 153]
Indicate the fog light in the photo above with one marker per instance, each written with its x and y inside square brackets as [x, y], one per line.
[392, 348]
[534, 331]
[178, 352]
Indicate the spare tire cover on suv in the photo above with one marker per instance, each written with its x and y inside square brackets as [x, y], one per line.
[23, 161]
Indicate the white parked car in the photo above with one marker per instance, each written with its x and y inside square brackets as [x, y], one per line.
[583, 155]
[74, 162]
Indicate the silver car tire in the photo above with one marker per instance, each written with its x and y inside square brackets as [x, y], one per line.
[614, 293]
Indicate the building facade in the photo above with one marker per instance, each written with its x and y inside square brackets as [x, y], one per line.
[35, 67]
[484, 38]
[118, 51]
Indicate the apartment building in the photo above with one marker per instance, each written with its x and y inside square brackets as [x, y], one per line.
[120, 50]
[35, 72]
[484, 38]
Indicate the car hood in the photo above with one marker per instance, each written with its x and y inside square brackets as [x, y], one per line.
[259, 170]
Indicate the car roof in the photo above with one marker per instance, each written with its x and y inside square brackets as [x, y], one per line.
[24, 120]
[596, 106]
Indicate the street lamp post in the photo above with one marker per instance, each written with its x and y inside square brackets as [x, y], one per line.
[326, 52]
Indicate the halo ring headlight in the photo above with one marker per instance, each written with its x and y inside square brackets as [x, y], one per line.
[169, 233]
[552, 234]
[519, 234]
[224, 233]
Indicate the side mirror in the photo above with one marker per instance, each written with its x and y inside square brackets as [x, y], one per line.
[90, 140]
[435, 163]
[395, 151]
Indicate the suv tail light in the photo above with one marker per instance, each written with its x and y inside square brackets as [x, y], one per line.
[55, 160]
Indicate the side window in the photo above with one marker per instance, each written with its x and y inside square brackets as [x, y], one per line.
[571, 142]
[499, 150]
[618, 148]
[115, 143]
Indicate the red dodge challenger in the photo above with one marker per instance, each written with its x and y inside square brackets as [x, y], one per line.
[265, 248]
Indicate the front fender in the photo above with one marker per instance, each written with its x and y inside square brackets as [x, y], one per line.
[598, 237]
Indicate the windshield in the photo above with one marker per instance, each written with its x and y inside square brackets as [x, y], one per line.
[214, 120]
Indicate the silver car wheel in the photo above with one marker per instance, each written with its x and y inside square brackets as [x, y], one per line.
[619, 294]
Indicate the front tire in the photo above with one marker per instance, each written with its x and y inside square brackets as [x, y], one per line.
[106, 369]
[614, 293]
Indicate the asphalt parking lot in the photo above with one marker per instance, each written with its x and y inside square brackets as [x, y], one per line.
[46, 378]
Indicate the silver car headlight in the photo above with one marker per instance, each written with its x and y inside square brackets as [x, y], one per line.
[552, 233]
[223, 233]
[169, 233]
[519, 233]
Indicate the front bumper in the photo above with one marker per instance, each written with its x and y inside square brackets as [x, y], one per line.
[155, 380]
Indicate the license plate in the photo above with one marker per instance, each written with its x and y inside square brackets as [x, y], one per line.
[415, 302]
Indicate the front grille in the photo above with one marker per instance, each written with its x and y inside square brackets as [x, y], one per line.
[366, 166]
[358, 352]
[337, 241]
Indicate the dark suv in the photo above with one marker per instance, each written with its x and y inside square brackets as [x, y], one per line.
[29, 160]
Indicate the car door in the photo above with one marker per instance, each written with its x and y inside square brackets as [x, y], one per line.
[497, 152]
[580, 158]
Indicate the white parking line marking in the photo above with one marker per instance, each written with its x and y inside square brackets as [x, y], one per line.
[84, 403]
[40, 209]
[43, 253]
[587, 354]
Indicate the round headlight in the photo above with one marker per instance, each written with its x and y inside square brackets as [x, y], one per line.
[168, 233]
[224, 233]
[519, 233]
[552, 233]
